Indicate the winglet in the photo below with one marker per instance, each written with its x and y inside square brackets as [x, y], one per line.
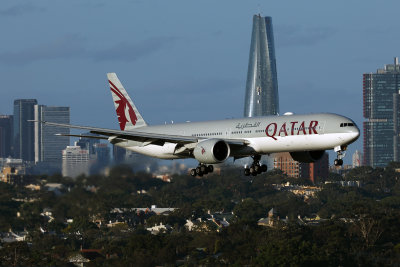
[128, 115]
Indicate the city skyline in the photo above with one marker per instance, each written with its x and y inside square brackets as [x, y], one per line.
[320, 64]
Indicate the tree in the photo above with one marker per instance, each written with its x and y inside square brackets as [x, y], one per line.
[249, 211]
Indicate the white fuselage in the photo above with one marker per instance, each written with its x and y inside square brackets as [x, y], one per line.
[263, 135]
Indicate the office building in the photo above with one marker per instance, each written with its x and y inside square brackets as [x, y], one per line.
[49, 146]
[101, 158]
[314, 171]
[262, 83]
[23, 129]
[6, 127]
[119, 154]
[381, 102]
[75, 161]
[357, 159]
[14, 171]
[88, 143]
[102, 152]
[319, 170]
[284, 162]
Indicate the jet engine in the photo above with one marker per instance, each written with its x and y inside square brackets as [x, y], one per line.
[307, 156]
[211, 151]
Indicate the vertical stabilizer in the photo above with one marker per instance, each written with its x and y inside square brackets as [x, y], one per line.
[128, 116]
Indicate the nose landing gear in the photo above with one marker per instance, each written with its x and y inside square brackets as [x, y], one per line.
[256, 167]
[341, 152]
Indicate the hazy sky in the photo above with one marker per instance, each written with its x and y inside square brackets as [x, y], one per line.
[187, 60]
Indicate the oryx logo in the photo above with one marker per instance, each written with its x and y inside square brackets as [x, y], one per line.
[124, 109]
[203, 150]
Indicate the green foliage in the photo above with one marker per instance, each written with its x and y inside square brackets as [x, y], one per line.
[8, 207]
[363, 226]
[249, 211]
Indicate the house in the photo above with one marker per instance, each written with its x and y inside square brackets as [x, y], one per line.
[85, 256]
[272, 220]
[159, 228]
[13, 237]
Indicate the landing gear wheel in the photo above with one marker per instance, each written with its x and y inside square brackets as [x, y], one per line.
[198, 171]
[338, 162]
[193, 172]
[210, 168]
[257, 169]
[252, 170]
[341, 152]
[264, 168]
[203, 169]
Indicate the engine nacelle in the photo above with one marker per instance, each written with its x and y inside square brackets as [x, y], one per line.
[307, 156]
[211, 151]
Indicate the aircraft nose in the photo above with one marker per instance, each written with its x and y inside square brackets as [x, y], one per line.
[355, 132]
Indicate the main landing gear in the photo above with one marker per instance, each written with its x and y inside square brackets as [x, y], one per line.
[256, 167]
[341, 152]
[201, 170]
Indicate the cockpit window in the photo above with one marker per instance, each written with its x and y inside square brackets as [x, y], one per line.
[346, 124]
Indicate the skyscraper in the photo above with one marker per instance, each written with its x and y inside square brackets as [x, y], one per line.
[102, 157]
[88, 143]
[24, 139]
[75, 161]
[262, 83]
[6, 127]
[119, 154]
[49, 146]
[357, 159]
[381, 101]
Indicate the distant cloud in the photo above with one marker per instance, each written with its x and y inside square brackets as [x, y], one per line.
[73, 46]
[204, 95]
[193, 87]
[69, 46]
[126, 51]
[19, 10]
[298, 36]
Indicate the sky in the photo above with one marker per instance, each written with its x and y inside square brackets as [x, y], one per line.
[184, 60]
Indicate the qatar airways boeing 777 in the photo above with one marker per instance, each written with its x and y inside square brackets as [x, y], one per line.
[306, 137]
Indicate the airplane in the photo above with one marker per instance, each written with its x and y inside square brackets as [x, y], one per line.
[305, 137]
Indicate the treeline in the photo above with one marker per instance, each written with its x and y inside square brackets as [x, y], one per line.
[362, 225]
[332, 243]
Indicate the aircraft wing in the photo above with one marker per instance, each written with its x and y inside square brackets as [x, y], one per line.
[140, 136]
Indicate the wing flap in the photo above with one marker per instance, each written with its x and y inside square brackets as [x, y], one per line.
[84, 136]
